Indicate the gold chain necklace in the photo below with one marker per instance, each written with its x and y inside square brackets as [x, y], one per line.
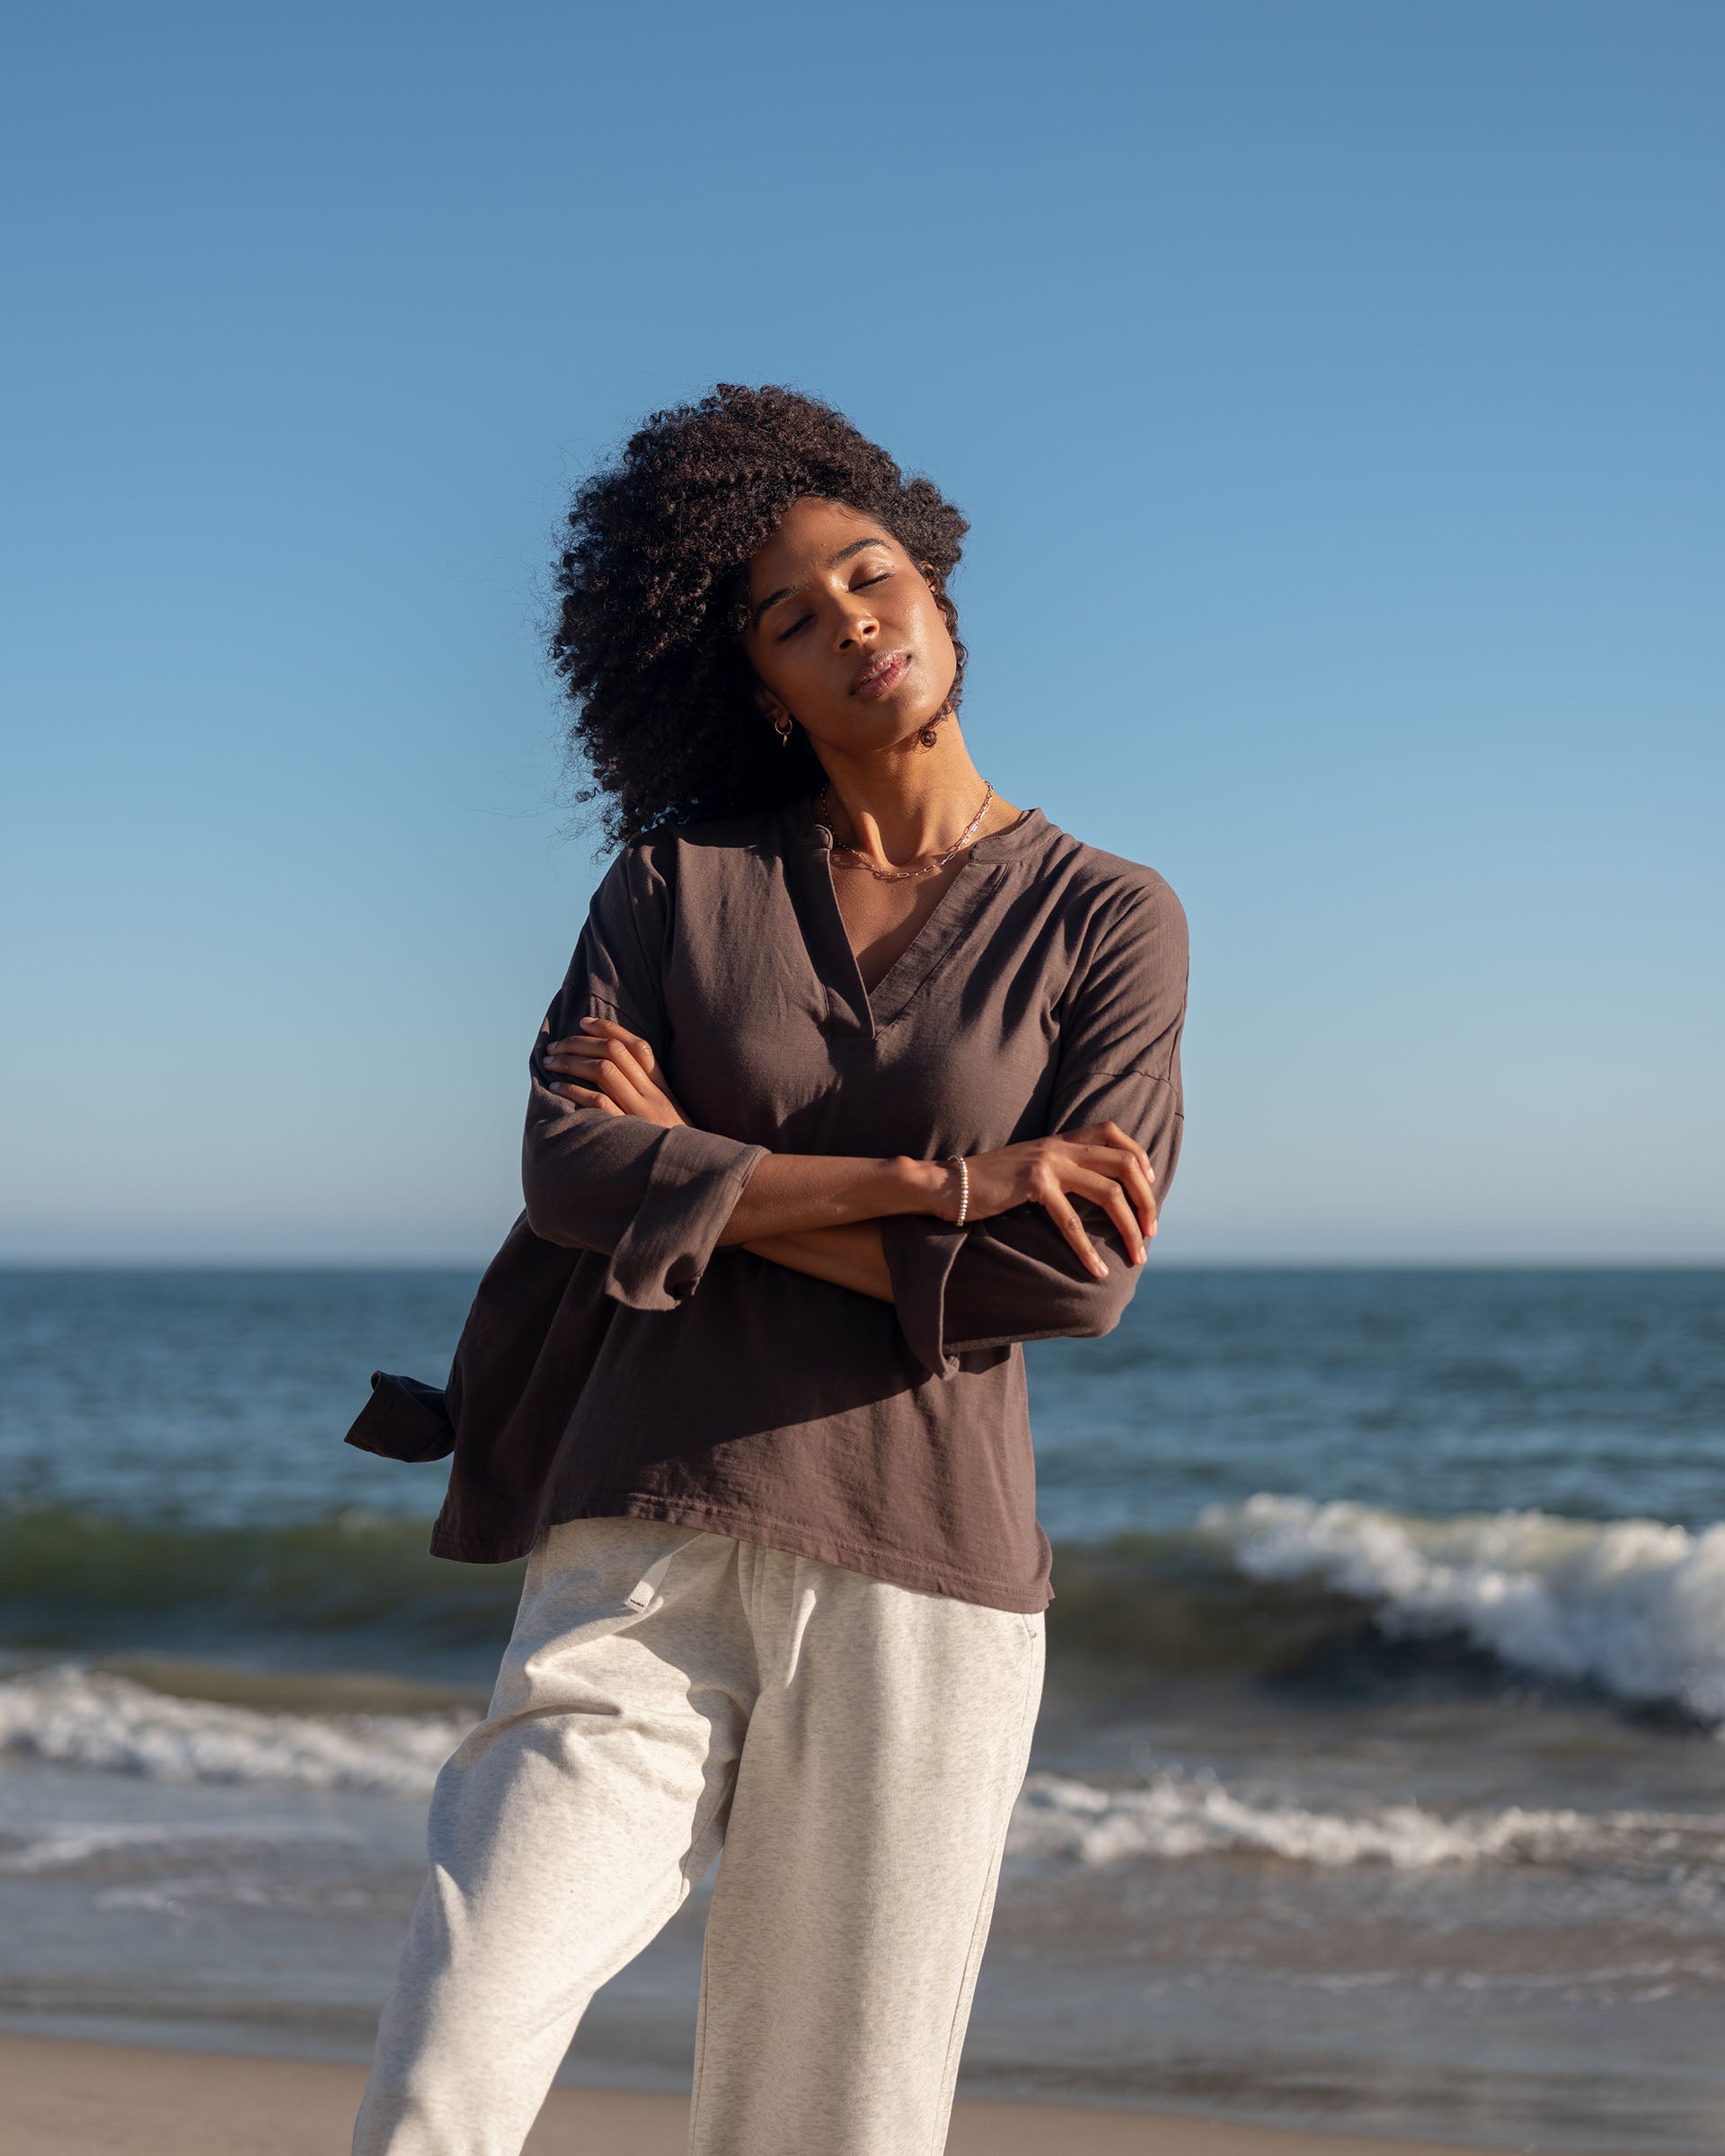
[908, 875]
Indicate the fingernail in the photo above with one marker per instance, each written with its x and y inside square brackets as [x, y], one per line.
[590, 1022]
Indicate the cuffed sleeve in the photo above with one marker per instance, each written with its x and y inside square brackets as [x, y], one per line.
[652, 1199]
[693, 1186]
[920, 1254]
[404, 1420]
[1016, 1277]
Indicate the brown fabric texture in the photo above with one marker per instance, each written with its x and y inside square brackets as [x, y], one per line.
[615, 1362]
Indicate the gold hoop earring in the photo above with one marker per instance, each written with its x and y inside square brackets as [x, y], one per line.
[926, 735]
[781, 726]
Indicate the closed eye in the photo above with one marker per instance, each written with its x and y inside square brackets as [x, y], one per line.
[804, 620]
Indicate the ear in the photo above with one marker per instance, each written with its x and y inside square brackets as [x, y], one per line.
[768, 705]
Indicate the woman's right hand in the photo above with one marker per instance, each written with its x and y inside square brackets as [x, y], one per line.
[607, 1068]
[1099, 1162]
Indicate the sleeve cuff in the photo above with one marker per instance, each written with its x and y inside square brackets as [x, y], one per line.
[695, 1182]
[920, 1254]
[404, 1420]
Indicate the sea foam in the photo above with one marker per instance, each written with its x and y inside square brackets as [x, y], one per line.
[1178, 1813]
[1635, 1607]
[73, 1716]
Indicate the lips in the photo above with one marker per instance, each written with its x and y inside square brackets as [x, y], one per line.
[879, 676]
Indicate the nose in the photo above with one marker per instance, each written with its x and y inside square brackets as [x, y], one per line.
[857, 626]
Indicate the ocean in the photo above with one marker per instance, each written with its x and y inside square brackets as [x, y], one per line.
[1379, 1782]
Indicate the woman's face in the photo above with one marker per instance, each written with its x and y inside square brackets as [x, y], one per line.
[844, 629]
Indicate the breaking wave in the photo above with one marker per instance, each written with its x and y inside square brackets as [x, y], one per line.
[1273, 1586]
[1633, 1606]
[1178, 1813]
[71, 1715]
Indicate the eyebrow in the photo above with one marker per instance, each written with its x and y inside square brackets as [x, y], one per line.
[833, 561]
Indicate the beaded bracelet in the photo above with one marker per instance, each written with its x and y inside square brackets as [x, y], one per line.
[958, 1162]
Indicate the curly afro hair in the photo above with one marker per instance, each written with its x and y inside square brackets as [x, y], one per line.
[651, 598]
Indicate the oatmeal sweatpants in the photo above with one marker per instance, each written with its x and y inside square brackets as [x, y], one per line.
[853, 1747]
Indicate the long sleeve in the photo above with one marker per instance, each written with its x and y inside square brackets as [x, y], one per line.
[654, 1201]
[1015, 1278]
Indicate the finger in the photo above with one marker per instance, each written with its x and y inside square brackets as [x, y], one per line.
[604, 1037]
[1140, 1197]
[584, 1096]
[1136, 1183]
[1061, 1212]
[608, 1029]
[608, 1065]
[604, 1069]
[1111, 1133]
[629, 1053]
[592, 1047]
[581, 1040]
[585, 1054]
[1129, 1173]
[617, 1082]
[1104, 1191]
[1114, 1136]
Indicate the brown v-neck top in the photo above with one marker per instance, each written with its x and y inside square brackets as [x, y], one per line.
[616, 1362]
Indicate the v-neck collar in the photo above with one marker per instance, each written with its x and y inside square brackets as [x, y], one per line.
[851, 1006]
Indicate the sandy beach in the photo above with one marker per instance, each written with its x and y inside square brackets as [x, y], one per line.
[70, 2098]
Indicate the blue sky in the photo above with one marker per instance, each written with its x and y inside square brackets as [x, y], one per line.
[1333, 388]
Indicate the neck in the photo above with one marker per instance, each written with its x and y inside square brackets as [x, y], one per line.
[908, 802]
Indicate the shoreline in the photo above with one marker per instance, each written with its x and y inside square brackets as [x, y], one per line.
[68, 2096]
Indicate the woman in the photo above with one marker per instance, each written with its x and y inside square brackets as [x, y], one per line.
[847, 1043]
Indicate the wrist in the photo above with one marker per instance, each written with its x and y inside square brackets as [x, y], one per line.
[928, 1185]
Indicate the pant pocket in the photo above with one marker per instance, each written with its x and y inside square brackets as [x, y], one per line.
[596, 1571]
[641, 1595]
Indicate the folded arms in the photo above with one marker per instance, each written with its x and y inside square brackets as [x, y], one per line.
[610, 1165]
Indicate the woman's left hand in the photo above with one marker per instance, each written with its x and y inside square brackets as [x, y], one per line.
[607, 1068]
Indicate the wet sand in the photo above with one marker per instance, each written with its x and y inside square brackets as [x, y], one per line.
[65, 2098]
